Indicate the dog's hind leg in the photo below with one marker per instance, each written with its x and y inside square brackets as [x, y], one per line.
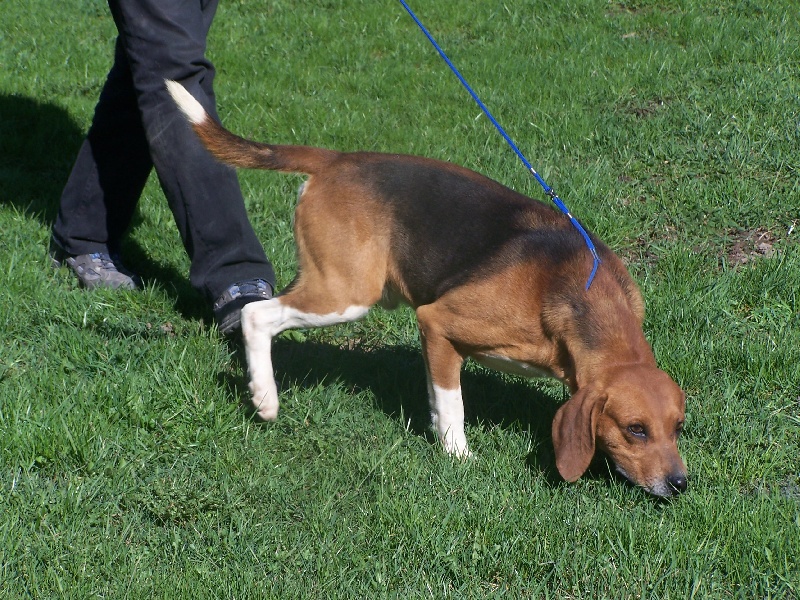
[341, 274]
[443, 366]
[262, 321]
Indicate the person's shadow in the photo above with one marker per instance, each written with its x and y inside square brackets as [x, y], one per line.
[39, 142]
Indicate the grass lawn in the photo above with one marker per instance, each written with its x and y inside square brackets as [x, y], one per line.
[128, 467]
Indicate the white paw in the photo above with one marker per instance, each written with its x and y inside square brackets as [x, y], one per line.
[265, 404]
[456, 448]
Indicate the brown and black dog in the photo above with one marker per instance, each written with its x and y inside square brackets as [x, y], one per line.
[493, 275]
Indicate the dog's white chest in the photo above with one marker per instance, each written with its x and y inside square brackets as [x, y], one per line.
[509, 365]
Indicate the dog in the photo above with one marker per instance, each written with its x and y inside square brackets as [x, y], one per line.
[492, 275]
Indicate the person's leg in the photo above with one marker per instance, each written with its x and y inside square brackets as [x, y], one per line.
[112, 167]
[166, 39]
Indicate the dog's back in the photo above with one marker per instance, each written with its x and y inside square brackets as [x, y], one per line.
[449, 224]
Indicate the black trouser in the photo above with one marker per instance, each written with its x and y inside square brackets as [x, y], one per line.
[136, 127]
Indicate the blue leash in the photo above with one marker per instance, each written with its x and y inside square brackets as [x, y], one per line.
[547, 189]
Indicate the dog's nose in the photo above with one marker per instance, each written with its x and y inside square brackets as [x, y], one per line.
[678, 483]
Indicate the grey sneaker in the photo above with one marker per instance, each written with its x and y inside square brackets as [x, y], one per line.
[96, 270]
[228, 307]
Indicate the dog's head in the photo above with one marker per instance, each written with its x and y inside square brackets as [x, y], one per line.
[635, 416]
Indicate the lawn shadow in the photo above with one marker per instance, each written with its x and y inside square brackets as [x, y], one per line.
[396, 378]
[39, 142]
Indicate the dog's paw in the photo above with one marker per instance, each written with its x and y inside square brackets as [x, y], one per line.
[455, 449]
[265, 407]
[463, 454]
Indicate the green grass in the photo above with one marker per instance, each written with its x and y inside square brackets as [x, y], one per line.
[129, 469]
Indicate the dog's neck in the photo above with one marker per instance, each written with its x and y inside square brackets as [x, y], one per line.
[592, 367]
[622, 344]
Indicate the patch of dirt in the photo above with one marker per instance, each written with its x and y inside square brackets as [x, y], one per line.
[737, 247]
[745, 246]
[645, 109]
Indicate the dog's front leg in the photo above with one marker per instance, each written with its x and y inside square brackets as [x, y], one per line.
[447, 418]
[443, 368]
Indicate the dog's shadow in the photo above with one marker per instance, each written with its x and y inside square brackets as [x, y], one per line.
[395, 376]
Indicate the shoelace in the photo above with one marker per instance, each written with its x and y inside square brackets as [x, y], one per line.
[104, 260]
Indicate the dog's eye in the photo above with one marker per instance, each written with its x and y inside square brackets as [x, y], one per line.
[679, 429]
[637, 430]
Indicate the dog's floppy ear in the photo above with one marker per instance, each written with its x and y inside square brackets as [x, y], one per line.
[574, 430]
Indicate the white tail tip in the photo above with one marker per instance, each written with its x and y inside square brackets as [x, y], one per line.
[189, 106]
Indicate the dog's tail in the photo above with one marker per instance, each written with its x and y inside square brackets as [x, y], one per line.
[236, 151]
